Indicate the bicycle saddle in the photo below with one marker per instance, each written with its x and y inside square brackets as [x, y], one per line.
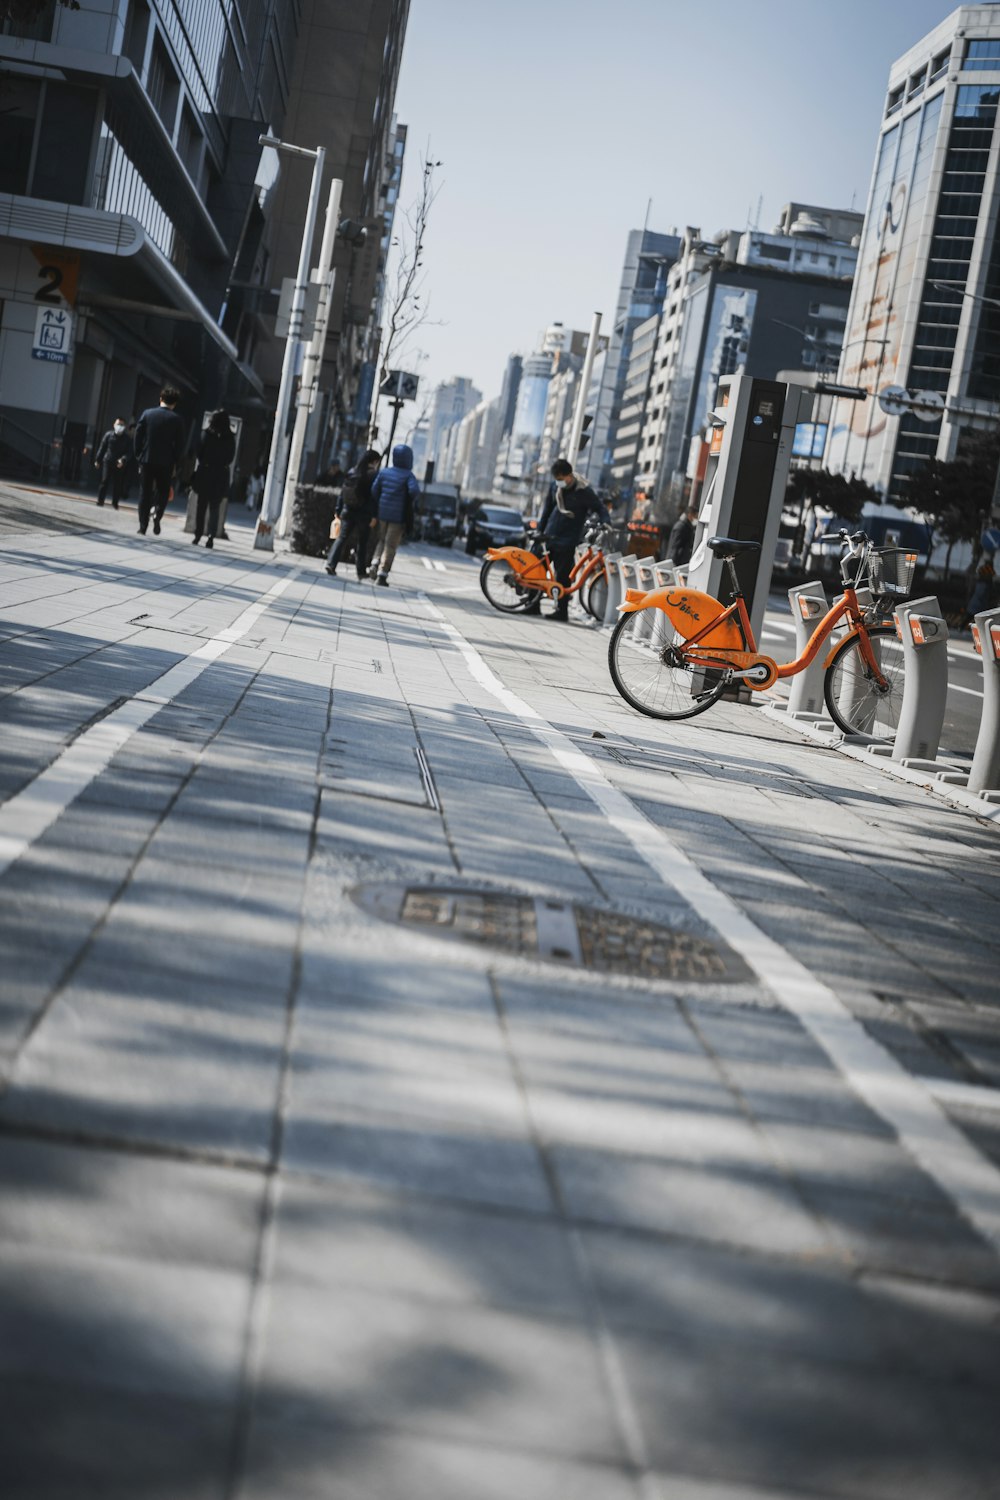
[728, 546]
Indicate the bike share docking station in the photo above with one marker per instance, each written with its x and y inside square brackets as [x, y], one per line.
[923, 633]
[743, 493]
[984, 774]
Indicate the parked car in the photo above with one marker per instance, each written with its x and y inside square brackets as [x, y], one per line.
[437, 514]
[493, 526]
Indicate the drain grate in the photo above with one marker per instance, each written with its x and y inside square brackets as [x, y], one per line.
[553, 930]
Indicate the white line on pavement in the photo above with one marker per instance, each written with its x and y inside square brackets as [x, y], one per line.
[30, 812]
[956, 687]
[439, 565]
[969, 1179]
[426, 562]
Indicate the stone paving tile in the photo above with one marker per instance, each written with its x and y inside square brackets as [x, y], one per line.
[735, 1206]
[449, 1372]
[309, 1461]
[61, 1441]
[337, 1237]
[177, 1073]
[103, 1322]
[94, 1202]
[442, 1159]
[810, 1425]
[906, 1238]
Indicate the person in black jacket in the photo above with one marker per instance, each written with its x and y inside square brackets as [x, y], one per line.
[159, 443]
[357, 515]
[561, 525]
[210, 480]
[681, 542]
[112, 457]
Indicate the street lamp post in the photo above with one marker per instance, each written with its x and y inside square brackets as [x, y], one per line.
[312, 363]
[274, 484]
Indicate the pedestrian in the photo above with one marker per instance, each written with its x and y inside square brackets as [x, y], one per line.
[333, 476]
[357, 514]
[681, 541]
[112, 456]
[567, 506]
[982, 594]
[255, 488]
[159, 443]
[395, 492]
[210, 481]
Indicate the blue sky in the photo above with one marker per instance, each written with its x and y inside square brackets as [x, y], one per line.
[557, 120]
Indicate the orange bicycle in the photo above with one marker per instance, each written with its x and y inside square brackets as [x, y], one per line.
[512, 578]
[698, 647]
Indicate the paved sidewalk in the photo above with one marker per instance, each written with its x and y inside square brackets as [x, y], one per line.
[299, 1202]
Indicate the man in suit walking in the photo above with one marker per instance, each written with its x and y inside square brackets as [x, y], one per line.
[159, 443]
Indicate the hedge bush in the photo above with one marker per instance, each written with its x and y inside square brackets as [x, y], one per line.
[312, 515]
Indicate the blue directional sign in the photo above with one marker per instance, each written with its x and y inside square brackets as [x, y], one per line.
[990, 539]
[53, 335]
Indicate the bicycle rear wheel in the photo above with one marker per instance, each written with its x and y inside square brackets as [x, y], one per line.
[858, 702]
[655, 676]
[499, 582]
[595, 594]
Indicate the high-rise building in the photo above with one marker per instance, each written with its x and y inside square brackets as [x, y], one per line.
[452, 399]
[128, 158]
[508, 395]
[142, 234]
[648, 256]
[341, 95]
[747, 303]
[925, 313]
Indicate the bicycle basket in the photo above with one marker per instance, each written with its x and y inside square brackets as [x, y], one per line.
[891, 571]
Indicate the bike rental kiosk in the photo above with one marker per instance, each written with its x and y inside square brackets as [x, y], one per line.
[753, 425]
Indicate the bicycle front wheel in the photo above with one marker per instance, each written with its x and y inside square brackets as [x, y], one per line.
[861, 702]
[502, 587]
[595, 594]
[654, 675]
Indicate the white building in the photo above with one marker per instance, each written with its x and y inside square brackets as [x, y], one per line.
[930, 254]
[452, 399]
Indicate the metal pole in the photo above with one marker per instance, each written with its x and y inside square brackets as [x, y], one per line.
[264, 534]
[397, 407]
[576, 432]
[312, 362]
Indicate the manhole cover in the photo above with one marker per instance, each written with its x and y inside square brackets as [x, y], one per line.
[557, 931]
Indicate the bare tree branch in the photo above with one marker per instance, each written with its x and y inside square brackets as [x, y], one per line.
[409, 305]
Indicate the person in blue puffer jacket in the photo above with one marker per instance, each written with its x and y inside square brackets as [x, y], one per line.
[395, 491]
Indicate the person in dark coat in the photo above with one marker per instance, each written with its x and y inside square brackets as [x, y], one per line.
[210, 481]
[112, 457]
[561, 524]
[159, 444]
[396, 492]
[681, 541]
[357, 515]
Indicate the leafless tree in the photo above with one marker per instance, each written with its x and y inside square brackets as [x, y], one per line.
[408, 305]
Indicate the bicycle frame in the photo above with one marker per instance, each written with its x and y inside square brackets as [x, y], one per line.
[536, 572]
[721, 656]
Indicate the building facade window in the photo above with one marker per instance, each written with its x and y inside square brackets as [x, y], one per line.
[982, 56]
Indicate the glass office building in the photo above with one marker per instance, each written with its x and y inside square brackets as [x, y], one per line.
[930, 255]
[128, 158]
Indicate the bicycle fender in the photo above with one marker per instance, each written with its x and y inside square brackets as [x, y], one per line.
[689, 611]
